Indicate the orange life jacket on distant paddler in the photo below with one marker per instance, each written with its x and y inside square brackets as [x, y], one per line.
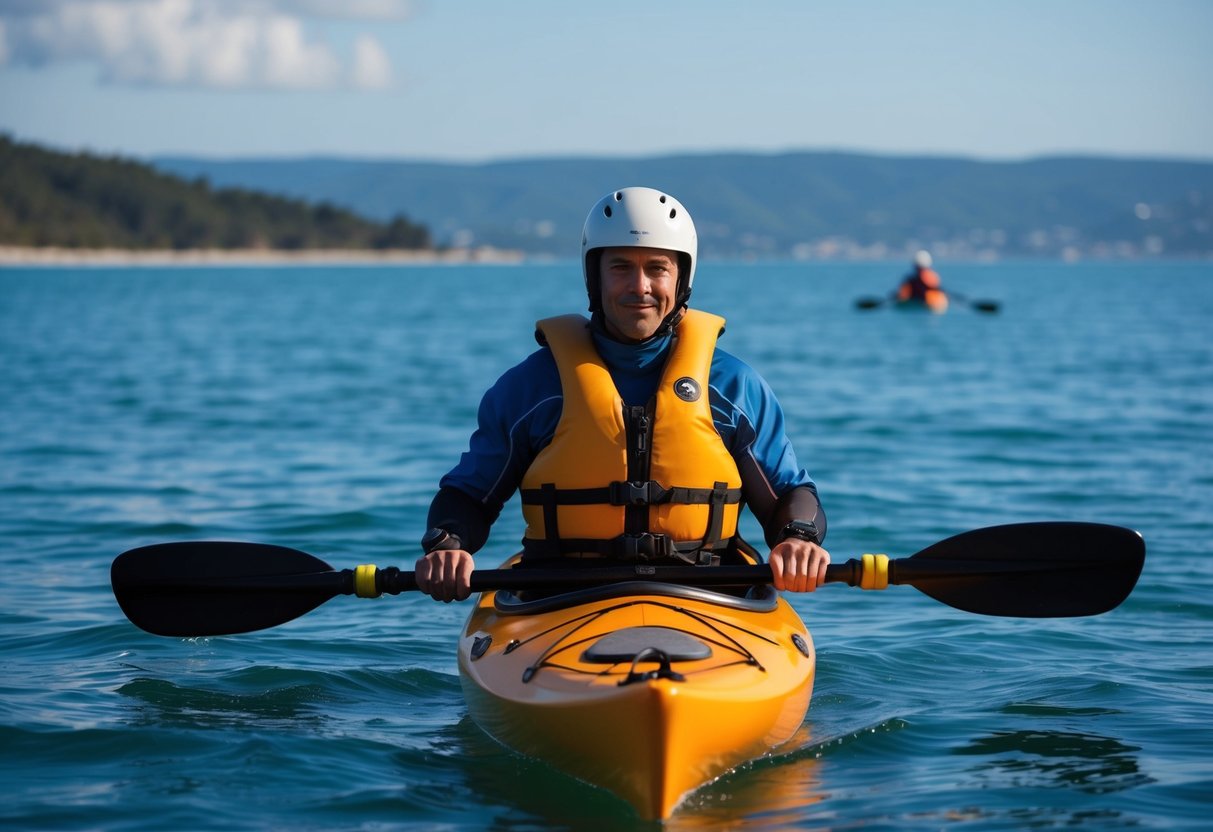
[923, 287]
[917, 285]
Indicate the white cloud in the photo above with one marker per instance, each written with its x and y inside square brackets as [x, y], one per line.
[207, 43]
[290, 61]
[372, 67]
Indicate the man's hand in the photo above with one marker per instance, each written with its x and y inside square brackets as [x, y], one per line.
[798, 565]
[445, 574]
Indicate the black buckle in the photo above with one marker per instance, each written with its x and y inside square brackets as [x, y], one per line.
[644, 546]
[629, 493]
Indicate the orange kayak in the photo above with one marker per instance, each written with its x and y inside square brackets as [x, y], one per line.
[648, 690]
[935, 301]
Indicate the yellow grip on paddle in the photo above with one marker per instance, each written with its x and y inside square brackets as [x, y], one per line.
[364, 581]
[875, 572]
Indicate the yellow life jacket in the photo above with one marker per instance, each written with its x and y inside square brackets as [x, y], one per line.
[634, 483]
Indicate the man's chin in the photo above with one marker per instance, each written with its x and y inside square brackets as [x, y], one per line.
[637, 329]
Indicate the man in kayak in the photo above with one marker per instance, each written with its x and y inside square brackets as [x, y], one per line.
[922, 285]
[631, 437]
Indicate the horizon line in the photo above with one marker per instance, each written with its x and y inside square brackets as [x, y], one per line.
[592, 156]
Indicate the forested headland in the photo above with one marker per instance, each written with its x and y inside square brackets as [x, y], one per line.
[84, 201]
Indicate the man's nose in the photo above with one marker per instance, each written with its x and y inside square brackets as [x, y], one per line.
[637, 280]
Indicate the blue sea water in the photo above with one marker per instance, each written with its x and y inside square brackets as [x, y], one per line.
[316, 407]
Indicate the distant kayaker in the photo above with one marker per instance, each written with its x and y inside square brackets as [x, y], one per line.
[922, 286]
[630, 436]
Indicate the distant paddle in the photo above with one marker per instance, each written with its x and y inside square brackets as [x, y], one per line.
[1034, 570]
[977, 305]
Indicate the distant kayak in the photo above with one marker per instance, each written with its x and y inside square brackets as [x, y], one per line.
[938, 303]
[922, 290]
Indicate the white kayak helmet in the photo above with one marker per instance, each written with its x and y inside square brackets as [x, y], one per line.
[639, 217]
[923, 259]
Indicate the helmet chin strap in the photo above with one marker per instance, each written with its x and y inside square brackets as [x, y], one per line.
[671, 320]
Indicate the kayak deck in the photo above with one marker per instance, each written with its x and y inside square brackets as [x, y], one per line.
[648, 690]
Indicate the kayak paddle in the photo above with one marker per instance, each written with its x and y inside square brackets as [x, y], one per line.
[870, 303]
[978, 305]
[1034, 570]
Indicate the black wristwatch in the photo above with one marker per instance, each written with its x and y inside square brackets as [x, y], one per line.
[438, 538]
[803, 529]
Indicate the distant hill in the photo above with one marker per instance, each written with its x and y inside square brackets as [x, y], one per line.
[49, 198]
[818, 205]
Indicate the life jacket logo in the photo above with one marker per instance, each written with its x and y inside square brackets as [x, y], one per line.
[687, 389]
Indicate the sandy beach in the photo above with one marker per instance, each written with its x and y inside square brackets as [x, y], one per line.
[53, 256]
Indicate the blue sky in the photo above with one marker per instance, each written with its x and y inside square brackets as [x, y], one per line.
[482, 80]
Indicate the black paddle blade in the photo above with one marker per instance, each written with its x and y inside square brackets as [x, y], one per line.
[212, 588]
[869, 303]
[1031, 570]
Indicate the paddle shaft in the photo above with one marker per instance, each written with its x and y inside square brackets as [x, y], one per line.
[979, 305]
[393, 581]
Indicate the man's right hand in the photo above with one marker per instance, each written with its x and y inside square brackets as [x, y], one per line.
[445, 574]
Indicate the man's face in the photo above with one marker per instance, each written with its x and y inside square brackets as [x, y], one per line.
[639, 286]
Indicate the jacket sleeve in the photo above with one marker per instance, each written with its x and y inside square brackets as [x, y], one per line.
[516, 419]
[801, 503]
[459, 513]
[751, 423]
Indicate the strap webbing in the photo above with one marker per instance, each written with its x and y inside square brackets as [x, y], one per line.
[621, 493]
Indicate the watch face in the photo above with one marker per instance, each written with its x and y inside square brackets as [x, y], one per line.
[433, 537]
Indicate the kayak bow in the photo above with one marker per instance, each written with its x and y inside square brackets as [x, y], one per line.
[646, 689]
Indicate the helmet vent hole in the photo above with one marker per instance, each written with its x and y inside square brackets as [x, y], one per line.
[662, 199]
[619, 196]
[606, 210]
[673, 213]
